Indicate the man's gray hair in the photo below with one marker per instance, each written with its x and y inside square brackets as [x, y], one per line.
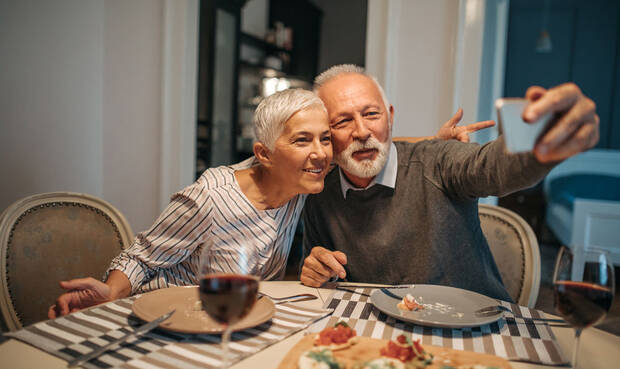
[273, 112]
[337, 70]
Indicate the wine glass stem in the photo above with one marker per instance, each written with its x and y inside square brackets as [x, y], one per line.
[225, 339]
[576, 347]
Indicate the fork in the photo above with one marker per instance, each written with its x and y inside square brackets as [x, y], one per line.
[292, 298]
[492, 310]
[497, 309]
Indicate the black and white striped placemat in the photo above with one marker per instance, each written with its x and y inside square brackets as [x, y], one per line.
[73, 335]
[510, 338]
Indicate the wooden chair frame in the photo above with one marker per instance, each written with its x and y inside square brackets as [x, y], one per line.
[531, 254]
[12, 215]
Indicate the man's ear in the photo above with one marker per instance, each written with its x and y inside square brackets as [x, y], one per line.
[391, 122]
[262, 153]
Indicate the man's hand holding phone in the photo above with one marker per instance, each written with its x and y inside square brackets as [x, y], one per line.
[565, 123]
[519, 136]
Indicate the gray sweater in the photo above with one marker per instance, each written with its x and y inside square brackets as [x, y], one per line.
[426, 229]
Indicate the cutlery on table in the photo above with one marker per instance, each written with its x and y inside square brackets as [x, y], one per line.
[498, 309]
[138, 331]
[351, 290]
[292, 298]
[373, 286]
[391, 294]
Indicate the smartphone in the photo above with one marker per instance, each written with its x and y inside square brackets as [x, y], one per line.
[519, 136]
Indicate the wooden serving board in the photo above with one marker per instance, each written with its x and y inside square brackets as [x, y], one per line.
[369, 348]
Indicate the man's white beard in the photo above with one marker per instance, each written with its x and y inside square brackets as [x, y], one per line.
[366, 168]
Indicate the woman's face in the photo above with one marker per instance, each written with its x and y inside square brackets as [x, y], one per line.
[303, 152]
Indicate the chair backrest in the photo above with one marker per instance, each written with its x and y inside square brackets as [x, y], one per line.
[515, 249]
[51, 237]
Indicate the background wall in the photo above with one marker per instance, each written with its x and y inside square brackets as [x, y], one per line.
[132, 85]
[51, 104]
[434, 56]
[585, 39]
[417, 66]
[80, 101]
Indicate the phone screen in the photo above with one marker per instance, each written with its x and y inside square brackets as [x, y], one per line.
[519, 135]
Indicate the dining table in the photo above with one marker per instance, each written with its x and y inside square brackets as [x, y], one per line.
[598, 349]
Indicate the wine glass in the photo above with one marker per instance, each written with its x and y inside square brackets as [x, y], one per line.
[228, 288]
[583, 285]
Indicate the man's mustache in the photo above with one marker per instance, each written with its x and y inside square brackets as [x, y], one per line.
[371, 143]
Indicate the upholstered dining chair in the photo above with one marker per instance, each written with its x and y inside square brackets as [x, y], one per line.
[515, 249]
[50, 237]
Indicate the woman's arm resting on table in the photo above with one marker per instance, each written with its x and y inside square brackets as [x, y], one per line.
[86, 292]
[449, 130]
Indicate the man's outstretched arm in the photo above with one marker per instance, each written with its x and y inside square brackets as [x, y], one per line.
[477, 171]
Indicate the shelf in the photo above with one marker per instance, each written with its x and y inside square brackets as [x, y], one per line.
[271, 72]
[263, 70]
[261, 44]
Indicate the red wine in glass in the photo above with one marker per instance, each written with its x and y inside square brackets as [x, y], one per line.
[228, 297]
[229, 293]
[582, 304]
[583, 284]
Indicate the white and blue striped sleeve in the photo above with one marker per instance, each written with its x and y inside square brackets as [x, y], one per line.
[172, 238]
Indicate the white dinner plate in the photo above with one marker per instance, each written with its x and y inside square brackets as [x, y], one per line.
[189, 316]
[445, 307]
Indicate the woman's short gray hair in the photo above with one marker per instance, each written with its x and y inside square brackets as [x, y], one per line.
[337, 70]
[273, 112]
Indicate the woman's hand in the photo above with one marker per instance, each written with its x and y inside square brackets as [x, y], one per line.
[86, 292]
[82, 293]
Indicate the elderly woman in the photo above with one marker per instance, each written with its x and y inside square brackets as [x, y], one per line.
[254, 204]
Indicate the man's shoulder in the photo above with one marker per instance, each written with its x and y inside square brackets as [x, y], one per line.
[420, 151]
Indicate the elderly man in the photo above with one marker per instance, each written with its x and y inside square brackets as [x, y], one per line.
[408, 212]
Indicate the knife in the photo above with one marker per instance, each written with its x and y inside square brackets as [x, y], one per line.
[138, 331]
[392, 295]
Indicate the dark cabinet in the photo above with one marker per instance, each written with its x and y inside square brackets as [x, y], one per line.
[234, 70]
[218, 69]
[305, 20]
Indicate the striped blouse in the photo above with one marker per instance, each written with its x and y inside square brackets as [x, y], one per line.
[212, 211]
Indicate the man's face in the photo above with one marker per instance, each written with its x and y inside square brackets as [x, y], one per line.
[360, 125]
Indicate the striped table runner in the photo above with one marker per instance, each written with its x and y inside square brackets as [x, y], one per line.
[78, 333]
[510, 338]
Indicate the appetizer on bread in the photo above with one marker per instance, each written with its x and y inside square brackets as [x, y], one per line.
[400, 354]
[338, 337]
[318, 359]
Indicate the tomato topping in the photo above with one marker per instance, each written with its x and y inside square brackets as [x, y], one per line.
[418, 346]
[335, 335]
[398, 352]
[401, 349]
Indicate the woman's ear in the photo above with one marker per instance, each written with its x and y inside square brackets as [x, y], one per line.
[262, 153]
